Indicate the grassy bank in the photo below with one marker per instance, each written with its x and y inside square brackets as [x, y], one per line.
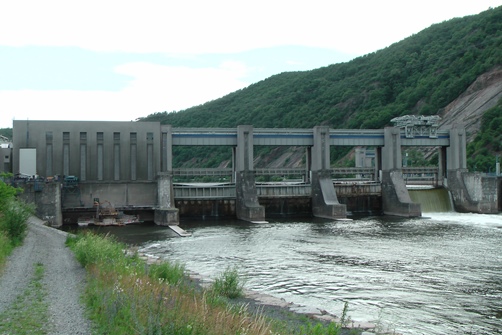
[14, 215]
[126, 296]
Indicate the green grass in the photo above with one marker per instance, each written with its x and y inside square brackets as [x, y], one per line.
[126, 296]
[29, 313]
[5, 249]
[170, 273]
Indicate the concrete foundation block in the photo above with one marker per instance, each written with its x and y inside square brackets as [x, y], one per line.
[247, 206]
[473, 193]
[324, 201]
[166, 217]
[395, 197]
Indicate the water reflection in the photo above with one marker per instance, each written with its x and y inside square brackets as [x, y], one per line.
[435, 275]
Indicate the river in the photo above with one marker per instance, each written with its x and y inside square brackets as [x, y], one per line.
[439, 274]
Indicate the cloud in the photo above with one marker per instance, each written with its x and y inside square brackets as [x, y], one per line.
[152, 88]
[177, 54]
[221, 26]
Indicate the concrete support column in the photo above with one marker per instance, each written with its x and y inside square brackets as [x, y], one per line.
[54, 215]
[378, 163]
[456, 153]
[324, 200]
[471, 192]
[232, 178]
[441, 165]
[359, 158]
[395, 197]
[308, 164]
[391, 151]
[167, 148]
[165, 212]
[247, 206]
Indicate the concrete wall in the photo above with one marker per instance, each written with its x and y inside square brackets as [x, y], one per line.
[119, 194]
[206, 208]
[92, 150]
[472, 192]
[5, 160]
[47, 199]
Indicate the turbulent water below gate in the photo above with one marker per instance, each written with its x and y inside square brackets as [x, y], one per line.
[440, 274]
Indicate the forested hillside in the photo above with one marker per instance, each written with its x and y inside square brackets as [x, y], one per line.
[420, 75]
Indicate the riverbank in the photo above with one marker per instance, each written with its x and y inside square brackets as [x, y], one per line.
[277, 309]
[63, 279]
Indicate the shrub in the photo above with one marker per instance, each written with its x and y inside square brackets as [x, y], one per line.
[13, 220]
[228, 284]
[7, 192]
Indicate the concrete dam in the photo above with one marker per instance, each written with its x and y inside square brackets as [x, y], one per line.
[70, 167]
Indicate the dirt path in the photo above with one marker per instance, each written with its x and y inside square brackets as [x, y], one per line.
[63, 278]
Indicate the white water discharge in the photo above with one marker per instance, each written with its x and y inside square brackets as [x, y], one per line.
[432, 200]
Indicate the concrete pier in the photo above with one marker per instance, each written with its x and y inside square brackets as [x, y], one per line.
[473, 193]
[165, 212]
[247, 206]
[395, 197]
[324, 201]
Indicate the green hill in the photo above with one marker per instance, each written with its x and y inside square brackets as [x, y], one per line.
[421, 75]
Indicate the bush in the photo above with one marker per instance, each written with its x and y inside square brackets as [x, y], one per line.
[13, 220]
[228, 284]
[7, 192]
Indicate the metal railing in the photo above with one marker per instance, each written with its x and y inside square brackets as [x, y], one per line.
[422, 175]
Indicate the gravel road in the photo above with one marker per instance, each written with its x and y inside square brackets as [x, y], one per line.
[63, 278]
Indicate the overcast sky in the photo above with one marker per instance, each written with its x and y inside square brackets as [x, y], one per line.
[120, 60]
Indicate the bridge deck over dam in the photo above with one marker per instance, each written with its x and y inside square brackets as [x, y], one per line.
[131, 163]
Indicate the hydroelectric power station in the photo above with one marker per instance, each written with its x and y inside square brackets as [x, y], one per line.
[129, 164]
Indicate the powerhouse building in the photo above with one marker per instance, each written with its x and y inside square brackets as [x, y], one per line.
[90, 150]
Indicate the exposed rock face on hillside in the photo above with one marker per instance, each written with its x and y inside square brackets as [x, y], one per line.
[469, 107]
[467, 110]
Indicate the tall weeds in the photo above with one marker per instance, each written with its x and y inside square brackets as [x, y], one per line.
[13, 220]
[5, 248]
[125, 297]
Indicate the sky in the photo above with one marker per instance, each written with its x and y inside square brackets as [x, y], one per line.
[121, 60]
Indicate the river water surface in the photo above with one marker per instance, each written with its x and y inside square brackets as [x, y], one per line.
[440, 274]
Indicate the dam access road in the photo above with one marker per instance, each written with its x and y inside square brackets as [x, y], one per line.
[62, 282]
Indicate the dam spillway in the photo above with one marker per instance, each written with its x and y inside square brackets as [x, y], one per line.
[432, 200]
